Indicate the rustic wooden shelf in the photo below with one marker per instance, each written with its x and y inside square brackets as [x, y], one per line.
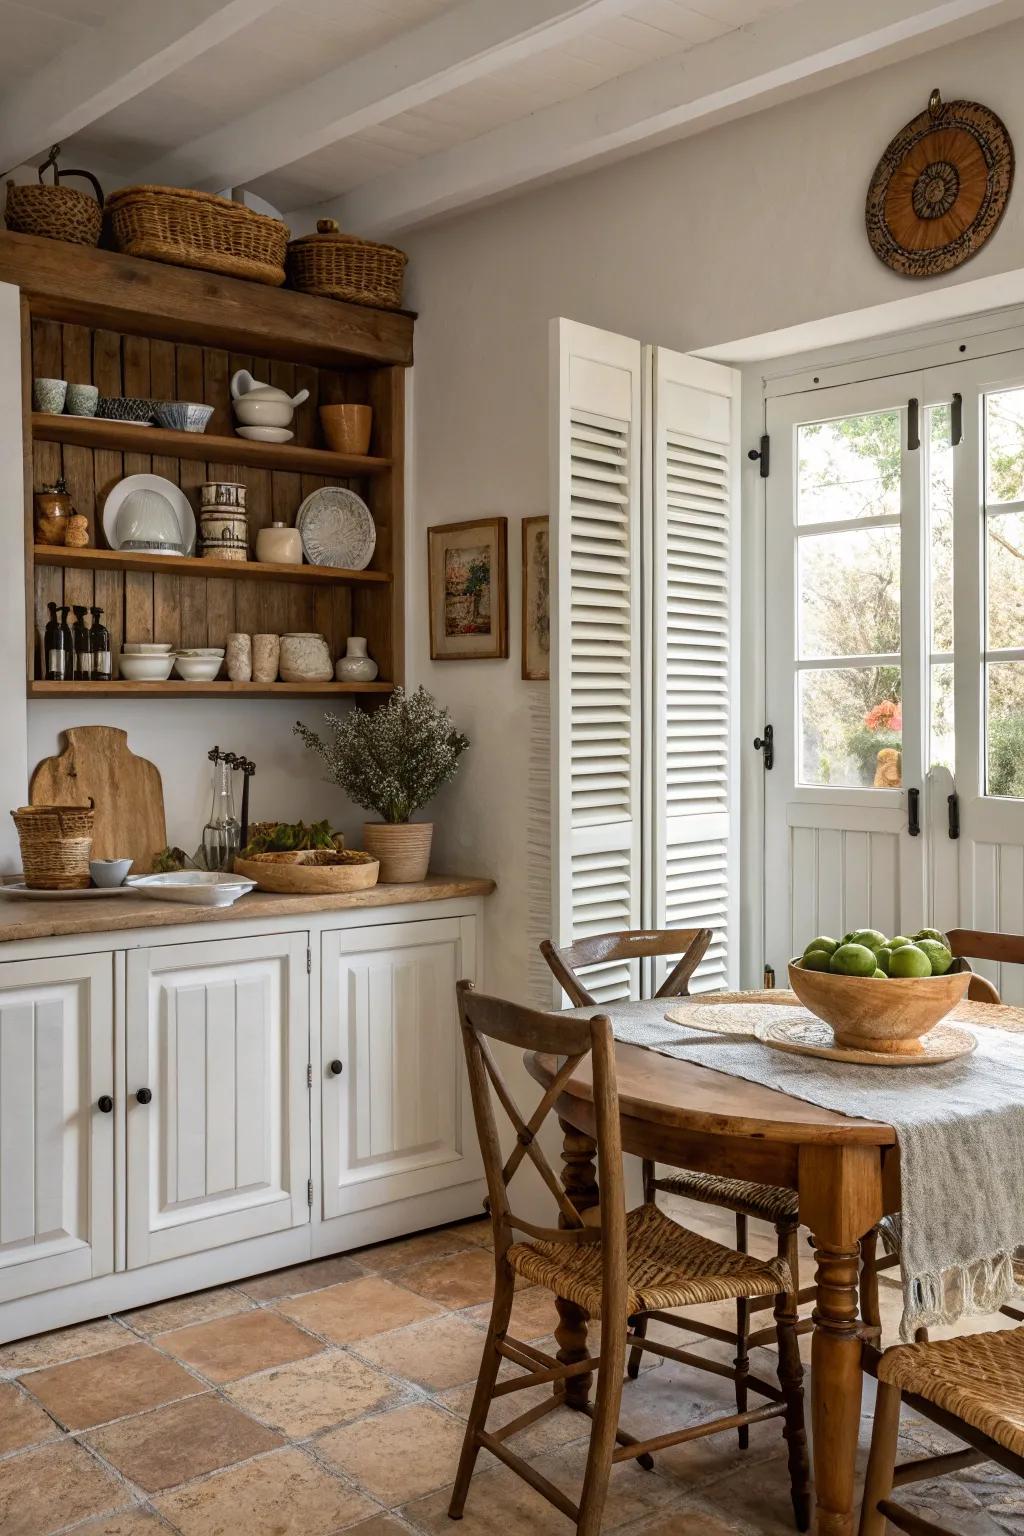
[91, 432]
[188, 565]
[174, 688]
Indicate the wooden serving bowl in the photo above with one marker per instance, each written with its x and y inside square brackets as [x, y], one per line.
[313, 872]
[868, 1014]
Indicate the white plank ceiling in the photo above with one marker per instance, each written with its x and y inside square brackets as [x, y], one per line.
[232, 99]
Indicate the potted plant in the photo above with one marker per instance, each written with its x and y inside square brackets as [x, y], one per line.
[392, 760]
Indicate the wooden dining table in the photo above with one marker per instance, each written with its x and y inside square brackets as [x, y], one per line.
[846, 1171]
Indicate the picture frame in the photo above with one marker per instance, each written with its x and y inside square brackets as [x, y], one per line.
[467, 573]
[536, 645]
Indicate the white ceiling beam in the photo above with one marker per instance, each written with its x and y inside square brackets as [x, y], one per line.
[140, 45]
[782, 55]
[461, 44]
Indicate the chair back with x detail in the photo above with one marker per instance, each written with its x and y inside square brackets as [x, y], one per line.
[628, 944]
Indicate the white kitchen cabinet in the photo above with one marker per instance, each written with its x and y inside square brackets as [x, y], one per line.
[57, 1113]
[396, 1115]
[217, 1094]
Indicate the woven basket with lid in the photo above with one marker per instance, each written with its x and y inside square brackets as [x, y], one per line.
[56, 841]
[338, 266]
[56, 212]
[198, 229]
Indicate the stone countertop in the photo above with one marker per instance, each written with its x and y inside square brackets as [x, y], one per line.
[25, 918]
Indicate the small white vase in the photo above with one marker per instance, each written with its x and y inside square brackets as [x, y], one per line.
[355, 666]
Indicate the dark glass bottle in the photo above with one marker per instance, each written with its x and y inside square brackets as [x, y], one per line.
[58, 657]
[99, 645]
[83, 650]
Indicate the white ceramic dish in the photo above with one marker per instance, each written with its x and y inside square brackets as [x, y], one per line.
[197, 669]
[201, 650]
[182, 415]
[337, 529]
[252, 412]
[146, 669]
[166, 488]
[108, 874]
[266, 434]
[196, 887]
[26, 893]
[146, 648]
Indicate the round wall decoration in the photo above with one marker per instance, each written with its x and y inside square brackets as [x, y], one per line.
[940, 188]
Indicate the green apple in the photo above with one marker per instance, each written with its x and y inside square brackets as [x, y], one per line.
[822, 942]
[816, 960]
[899, 942]
[880, 976]
[853, 960]
[938, 955]
[908, 960]
[931, 933]
[882, 957]
[869, 937]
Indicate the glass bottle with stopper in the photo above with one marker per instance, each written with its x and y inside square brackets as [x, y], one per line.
[99, 646]
[222, 833]
[83, 647]
[59, 655]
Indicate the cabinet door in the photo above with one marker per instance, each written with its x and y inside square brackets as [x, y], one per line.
[56, 1143]
[218, 1042]
[397, 1120]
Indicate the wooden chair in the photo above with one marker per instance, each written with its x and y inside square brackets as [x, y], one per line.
[741, 1196]
[973, 1387]
[614, 1266]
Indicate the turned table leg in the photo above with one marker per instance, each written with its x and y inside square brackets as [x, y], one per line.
[579, 1179]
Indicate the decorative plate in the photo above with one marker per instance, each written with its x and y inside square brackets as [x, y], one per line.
[813, 1038]
[166, 488]
[336, 529]
[940, 188]
[31, 893]
[727, 1018]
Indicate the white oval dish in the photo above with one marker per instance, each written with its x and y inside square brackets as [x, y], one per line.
[196, 887]
[166, 488]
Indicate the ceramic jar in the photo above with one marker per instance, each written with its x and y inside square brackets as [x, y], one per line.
[279, 544]
[49, 395]
[355, 666]
[239, 658]
[266, 658]
[224, 533]
[305, 659]
[53, 508]
[223, 493]
[81, 400]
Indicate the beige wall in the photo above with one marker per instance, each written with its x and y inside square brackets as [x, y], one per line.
[753, 227]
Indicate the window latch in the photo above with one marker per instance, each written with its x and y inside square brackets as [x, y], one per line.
[953, 808]
[766, 744]
[956, 421]
[913, 424]
[914, 812]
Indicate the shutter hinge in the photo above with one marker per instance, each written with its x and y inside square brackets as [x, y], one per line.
[309, 961]
[309, 1193]
[309, 1074]
[763, 453]
[766, 744]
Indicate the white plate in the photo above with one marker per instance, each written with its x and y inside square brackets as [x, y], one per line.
[174, 494]
[266, 434]
[197, 887]
[26, 893]
[337, 529]
[124, 421]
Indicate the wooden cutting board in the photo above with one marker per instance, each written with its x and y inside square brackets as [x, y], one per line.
[127, 792]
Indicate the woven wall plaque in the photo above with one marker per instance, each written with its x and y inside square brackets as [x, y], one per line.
[940, 188]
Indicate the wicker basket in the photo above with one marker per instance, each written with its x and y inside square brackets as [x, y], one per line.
[338, 266]
[55, 212]
[403, 849]
[56, 841]
[198, 229]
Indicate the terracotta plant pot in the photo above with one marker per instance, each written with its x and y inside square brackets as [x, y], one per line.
[347, 427]
[403, 849]
[889, 1015]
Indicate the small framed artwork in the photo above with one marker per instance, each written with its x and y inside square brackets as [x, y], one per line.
[468, 575]
[536, 601]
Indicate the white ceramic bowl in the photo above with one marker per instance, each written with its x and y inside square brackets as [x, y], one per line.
[107, 873]
[264, 413]
[146, 521]
[146, 648]
[201, 650]
[197, 669]
[146, 669]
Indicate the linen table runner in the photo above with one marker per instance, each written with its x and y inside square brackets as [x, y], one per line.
[960, 1129]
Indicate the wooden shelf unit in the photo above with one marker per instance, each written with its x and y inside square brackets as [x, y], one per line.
[222, 689]
[141, 328]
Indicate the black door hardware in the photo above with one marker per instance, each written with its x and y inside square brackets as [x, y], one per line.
[145, 1095]
[914, 812]
[105, 1103]
[766, 744]
[956, 421]
[763, 453]
[913, 424]
[953, 807]
[336, 1067]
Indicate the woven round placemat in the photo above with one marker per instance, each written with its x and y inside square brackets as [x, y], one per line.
[811, 1037]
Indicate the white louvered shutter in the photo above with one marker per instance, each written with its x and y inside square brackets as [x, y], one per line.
[596, 626]
[693, 802]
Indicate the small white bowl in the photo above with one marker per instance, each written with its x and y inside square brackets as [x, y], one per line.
[201, 650]
[106, 873]
[197, 669]
[146, 669]
[145, 648]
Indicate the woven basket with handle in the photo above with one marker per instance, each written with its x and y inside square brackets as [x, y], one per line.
[57, 212]
[338, 266]
[56, 841]
[198, 229]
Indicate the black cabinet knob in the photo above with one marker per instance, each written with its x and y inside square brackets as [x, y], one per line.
[105, 1103]
[336, 1067]
[144, 1095]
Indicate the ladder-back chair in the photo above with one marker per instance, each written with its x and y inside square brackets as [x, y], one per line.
[742, 1197]
[613, 1266]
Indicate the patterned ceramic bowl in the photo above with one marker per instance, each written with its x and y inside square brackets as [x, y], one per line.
[182, 415]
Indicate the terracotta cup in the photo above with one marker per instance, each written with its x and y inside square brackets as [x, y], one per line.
[347, 427]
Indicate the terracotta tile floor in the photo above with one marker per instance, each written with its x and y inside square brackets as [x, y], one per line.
[332, 1397]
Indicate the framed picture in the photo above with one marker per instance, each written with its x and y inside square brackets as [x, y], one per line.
[468, 574]
[536, 600]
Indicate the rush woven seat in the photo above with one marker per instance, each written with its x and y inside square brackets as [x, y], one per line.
[666, 1266]
[979, 1379]
[742, 1195]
